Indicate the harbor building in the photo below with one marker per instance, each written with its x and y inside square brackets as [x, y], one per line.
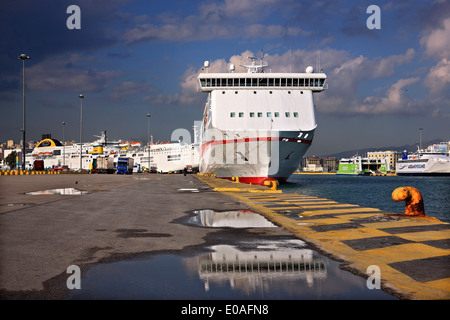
[390, 158]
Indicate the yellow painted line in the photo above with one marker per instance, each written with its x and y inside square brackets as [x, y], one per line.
[335, 211]
[425, 236]
[398, 253]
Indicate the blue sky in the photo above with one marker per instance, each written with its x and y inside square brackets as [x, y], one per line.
[133, 57]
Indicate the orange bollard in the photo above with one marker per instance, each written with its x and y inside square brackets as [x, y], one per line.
[413, 200]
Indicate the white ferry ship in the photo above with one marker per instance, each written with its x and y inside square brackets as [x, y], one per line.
[434, 161]
[164, 157]
[257, 126]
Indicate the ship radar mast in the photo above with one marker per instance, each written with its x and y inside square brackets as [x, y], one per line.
[256, 65]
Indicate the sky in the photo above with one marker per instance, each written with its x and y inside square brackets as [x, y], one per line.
[134, 57]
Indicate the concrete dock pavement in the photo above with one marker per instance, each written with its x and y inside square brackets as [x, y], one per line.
[412, 253]
[121, 216]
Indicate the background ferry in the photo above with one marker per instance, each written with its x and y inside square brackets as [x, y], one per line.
[433, 161]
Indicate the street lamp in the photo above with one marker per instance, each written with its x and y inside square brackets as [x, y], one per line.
[24, 57]
[81, 131]
[148, 140]
[64, 145]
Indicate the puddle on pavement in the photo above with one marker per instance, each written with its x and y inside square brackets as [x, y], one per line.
[232, 219]
[61, 191]
[253, 269]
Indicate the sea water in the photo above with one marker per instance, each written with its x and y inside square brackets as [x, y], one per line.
[374, 191]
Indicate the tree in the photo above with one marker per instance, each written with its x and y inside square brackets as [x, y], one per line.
[11, 160]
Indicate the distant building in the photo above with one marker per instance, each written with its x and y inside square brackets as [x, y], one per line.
[329, 164]
[390, 157]
[318, 164]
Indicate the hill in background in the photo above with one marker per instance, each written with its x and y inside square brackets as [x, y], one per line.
[362, 152]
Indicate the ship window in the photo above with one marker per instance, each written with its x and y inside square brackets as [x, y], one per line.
[289, 92]
[263, 82]
[241, 114]
[248, 82]
[208, 82]
[296, 114]
[242, 82]
[202, 82]
[283, 82]
[270, 82]
[311, 82]
[213, 82]
[252, 114]
[287, 114]
[269, 114]
[254, 82]
[223, 92]
[301, 92]
[254, 92]
[289, 82]
[259, 114]
[270, 92]
[230, 82]
[277, 114]
[301, 82]
[224, 82]
[321, 81]
[277, 82]
[232, 114]
[235, 92]
[295, 82]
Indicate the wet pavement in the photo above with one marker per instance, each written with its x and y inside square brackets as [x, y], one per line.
[154, 237]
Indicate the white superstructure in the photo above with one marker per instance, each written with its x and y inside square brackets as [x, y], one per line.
[257, 126]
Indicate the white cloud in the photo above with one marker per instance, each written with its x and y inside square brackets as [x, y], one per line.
[224, 20]
[438, 79]
[396, 101]
[437, 41]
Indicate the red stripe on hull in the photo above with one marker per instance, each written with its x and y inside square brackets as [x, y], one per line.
[205, 145]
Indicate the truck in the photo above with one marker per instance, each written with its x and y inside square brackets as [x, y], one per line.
[125, 165]
[38, 165]
[105, 165]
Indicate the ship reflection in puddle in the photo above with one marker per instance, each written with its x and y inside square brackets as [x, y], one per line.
[270, 269]
[261, 265]
[61, 191]
[232, 219]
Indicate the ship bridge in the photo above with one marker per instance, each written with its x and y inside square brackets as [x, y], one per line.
[296, 81]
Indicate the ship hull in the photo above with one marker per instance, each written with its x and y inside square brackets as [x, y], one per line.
[255, 157]
[427, 165]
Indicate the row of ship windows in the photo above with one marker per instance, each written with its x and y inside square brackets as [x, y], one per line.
[262, 82]
[261, 114]
[255, 92]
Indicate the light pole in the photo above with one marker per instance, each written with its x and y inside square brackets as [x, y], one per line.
[64, 145]
[148, 140]
[81, 131]
[24, 57]
[420, 138]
